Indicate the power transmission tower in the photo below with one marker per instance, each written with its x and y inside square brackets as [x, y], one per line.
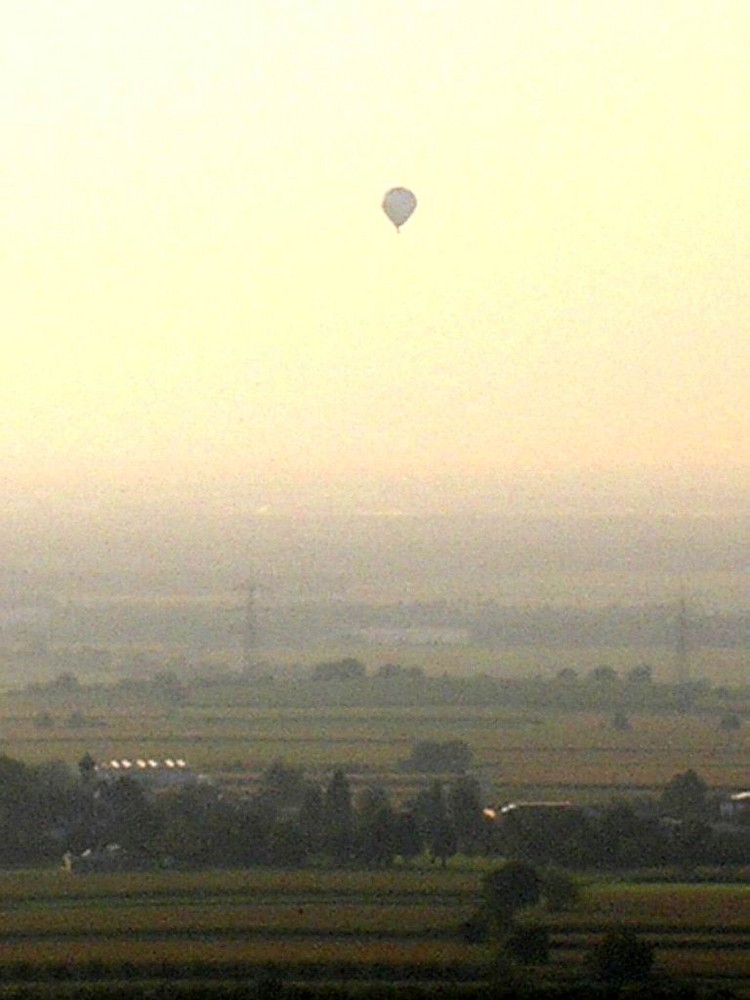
[250, 627]
[682, 644]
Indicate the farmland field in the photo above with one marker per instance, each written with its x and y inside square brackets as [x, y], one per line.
[328, 925]
[516, 752]
[317, 925]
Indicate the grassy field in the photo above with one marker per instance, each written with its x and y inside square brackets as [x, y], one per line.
[327, 925]
[515, 752]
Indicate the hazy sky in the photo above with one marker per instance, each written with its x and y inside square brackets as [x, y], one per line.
[198, 282]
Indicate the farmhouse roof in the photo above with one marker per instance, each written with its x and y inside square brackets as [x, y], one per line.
[143, 764]
[513, 806]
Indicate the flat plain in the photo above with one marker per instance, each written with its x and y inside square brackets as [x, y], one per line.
[516, 751]
[315, 925]
[335, 925]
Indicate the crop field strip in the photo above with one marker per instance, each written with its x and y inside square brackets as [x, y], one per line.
[332, 956]
[312, 925]
[342, 921]
[396, 885]
[293, 917]
[576, 749]
[726, 766]
[320, 952]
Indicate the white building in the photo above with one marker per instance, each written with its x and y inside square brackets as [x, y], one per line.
[168, 772]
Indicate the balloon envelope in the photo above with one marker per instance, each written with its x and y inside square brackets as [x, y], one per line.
[398, 205]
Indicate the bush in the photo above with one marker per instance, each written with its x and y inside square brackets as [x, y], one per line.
[730, 722]
[621, 957]
[347, 669]
[509, 888]
[528, 944]
[620, 721]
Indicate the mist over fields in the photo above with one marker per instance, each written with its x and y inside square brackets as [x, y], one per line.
[386, 543]
[531, 577]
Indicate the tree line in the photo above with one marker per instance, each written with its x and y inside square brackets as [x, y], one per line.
[48, 810]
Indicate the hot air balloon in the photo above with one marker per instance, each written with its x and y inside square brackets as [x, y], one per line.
[398, 205]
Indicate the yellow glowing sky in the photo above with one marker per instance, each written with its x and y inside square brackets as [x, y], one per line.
[198, 281]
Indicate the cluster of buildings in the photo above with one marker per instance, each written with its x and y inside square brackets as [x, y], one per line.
[167, 772]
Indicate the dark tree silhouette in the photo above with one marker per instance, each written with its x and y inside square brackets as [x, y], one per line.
[684, 797]
[465, 809]
[338, 818]
[510, 888]
[434, 822]
[621, 957]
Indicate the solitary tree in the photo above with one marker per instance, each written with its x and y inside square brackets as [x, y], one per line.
[282, 786]
[347, 669]
[338, 817]
[604, 675]
[684, 796]
[465, 809]
[730, 722]
[87, 769]
[408, 843]
[642, 674]
[433, 818]
[567, 675]
[374, 827]
[311, 818]
[620, 721]
[509, 888]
